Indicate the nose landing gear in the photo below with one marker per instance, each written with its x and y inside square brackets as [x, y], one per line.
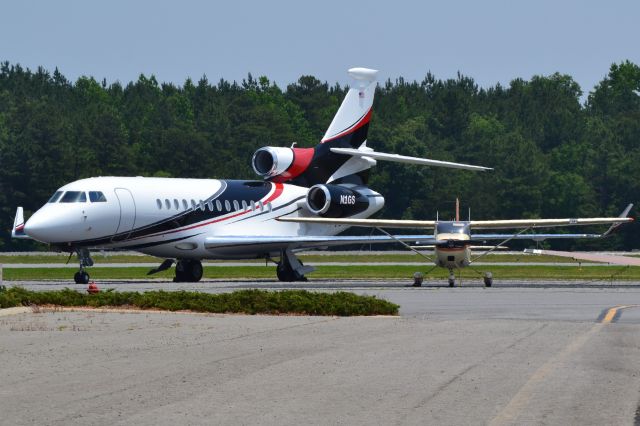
[84, 258]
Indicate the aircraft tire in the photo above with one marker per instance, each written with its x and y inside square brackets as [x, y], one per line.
[188, 271]
[488, 282]
[81, 277]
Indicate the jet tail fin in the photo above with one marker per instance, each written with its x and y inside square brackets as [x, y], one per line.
[18, 225]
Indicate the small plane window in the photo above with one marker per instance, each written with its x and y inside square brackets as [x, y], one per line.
[253, 206]
[244, 205]
[269, 207]
[218, 205]
[167, 203]
[159, 204]
[74, 197]
[185, 205]
[210, 205]
[236, 206]
[56, 195]
[227, 205]
[176, 204]
[97, 197]
[201, 205]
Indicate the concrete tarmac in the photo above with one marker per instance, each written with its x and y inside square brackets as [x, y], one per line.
[522, 353]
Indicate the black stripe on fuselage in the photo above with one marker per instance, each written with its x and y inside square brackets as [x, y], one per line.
[231, 190]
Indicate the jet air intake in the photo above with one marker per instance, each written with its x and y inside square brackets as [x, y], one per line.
[336, 201]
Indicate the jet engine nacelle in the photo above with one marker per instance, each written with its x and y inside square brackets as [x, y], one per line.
[281, 164]
[272, 161]
[338, 201]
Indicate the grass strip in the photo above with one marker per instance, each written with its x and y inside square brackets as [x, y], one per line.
[299, 302]
[308, 258]
[340, 272]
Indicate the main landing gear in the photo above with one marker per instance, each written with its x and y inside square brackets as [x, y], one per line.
[84, 258]
[188, 271]
[290, 268]
[452, 278]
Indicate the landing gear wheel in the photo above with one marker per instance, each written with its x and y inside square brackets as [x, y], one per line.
[452, 279]
[452, 283]
[488, 279]
[285, 272]
[81, 277]
[188, 270]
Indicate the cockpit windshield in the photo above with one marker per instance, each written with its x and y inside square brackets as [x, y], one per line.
[55, 197]
[452, 228]
[74, 197]
[97, 197]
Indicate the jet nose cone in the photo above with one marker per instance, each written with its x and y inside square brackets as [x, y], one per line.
[36, 227]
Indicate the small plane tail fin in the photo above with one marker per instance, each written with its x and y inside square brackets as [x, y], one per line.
[18, 225]
[624, 214]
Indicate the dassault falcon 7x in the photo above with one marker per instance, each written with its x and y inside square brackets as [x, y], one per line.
[452, 241]
[193, 219]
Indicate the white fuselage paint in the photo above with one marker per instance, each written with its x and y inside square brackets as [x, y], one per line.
[132, 204]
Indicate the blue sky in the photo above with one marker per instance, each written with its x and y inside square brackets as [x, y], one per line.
[491, 41]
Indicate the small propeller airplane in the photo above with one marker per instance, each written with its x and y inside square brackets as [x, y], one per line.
[453, 241]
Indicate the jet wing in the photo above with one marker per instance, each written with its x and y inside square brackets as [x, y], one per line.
[229, 244]
[383, 156]
[369, 223]
[592, 257]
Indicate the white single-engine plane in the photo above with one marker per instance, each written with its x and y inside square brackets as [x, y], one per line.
[193, 219]
[453, 241]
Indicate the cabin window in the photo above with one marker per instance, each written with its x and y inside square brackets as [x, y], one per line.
[193, 204]
[227, 205]
[236, 206]
[218, 205]
[244, 205]
[97, 197]
[253, 206]
[74, 197]
[56, 195]
[210, 205]
[167, 203]
[159, 203]
[176, 204]
[185, 205]
[201, 205]
[269, 207]
[261, 206]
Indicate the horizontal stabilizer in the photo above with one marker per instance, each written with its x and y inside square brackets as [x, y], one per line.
[591, 257]
[383, 156]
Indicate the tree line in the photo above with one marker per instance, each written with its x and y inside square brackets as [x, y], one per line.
[554, 155]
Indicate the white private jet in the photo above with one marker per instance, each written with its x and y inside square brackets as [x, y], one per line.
[193, 219]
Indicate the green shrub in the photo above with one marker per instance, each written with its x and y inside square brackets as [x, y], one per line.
[244, 301]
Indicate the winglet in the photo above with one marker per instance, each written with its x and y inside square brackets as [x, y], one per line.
[624, 214]
[18, 225]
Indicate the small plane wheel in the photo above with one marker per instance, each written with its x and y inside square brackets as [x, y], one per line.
[452, 283]
[488, 282]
